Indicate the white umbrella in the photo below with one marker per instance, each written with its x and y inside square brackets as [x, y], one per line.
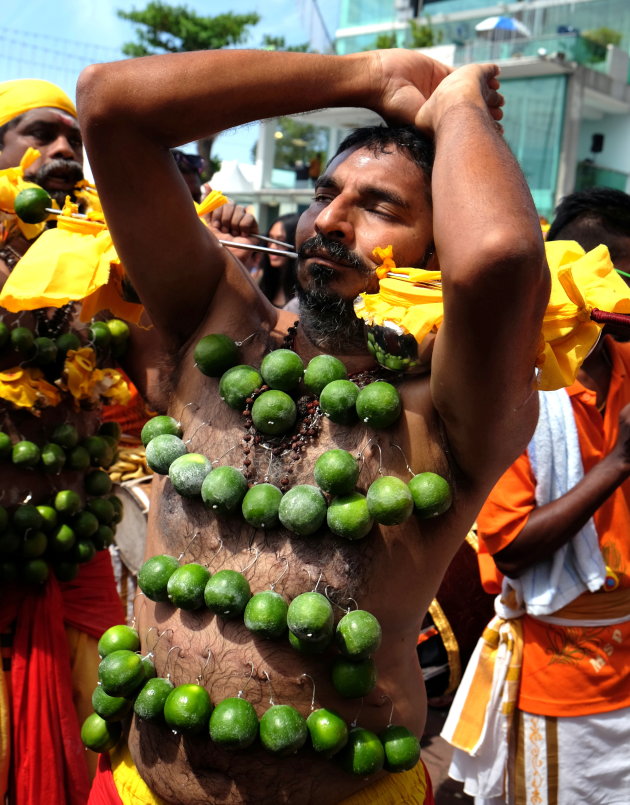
[504, 27]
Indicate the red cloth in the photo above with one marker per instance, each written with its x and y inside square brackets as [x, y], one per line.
[48, 755]
[103, 789]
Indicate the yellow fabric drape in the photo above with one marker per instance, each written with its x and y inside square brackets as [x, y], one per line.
[11, 183]
[580, 282]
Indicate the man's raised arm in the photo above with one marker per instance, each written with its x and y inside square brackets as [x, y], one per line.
[494, 274]
[132, 112]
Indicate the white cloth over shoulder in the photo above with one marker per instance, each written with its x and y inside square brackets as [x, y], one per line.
[578, 566]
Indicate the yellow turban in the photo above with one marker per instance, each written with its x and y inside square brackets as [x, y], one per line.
[23, 94]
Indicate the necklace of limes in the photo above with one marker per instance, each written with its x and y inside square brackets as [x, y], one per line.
[64, 531]
[124, 676]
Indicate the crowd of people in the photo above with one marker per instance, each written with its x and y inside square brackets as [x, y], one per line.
[534, 479]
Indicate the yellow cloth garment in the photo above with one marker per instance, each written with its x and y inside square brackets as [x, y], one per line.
[580, 282]
[87, 383]
[23, 94]
[76, 261]
[11, 183]
[27, 388]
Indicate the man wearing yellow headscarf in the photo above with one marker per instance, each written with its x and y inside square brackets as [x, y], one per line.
[48, 618]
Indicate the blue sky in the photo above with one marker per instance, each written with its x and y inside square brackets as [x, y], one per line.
[54, 40]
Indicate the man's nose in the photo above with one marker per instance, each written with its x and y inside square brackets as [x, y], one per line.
[61, 148]
[334, 221]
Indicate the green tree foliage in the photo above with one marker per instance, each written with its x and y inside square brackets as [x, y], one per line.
[422, 35]
[163, 28]
[385, 41]
[279, 43]
[300, 143]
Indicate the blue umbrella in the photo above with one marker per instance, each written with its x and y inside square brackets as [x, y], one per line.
[505, 25]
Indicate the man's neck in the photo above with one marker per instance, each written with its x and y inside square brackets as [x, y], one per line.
[596, 370]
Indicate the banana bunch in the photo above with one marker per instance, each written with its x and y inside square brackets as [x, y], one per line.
[130, 463]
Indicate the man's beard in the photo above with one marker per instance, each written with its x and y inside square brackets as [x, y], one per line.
[69, 169]
[327, 319]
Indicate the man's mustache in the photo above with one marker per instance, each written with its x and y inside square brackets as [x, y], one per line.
[67, 168]
[321, 246]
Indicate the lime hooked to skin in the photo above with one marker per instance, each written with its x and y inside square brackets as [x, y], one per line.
[186, 586]
[389, 500]
[353, 679]
[358, 634]
[237, 384]
[328, 731]
[100, 735]
[227, 593]
[378, 404]
[274, 412]
[149, 703]
[162, 451]
[31, 204]
[348, 516]
[187, 473]
[431, 494]
[154, 575]
[266, 614]
[402, 748]
[116, 638]
[215, 354]
[223, 489]
[310, 616]
[337, 401]
[234, 723]
[261, 504]
[322, 370]
[302, 509]
[282, 729]
[188, 708]
[336, 471]
[158, 425]
[121, 673]
[364, 753]
[282, 369]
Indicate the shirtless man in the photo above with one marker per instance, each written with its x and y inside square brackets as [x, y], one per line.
[467, 419]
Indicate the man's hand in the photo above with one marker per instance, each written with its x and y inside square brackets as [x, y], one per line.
[474, 83]
[231, 219]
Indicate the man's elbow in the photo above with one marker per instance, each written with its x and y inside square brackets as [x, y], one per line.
[93, 96]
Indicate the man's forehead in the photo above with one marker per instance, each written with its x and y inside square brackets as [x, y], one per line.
[360, 160]
[49, 114]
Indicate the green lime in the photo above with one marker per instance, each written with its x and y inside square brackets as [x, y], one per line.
[363, 754]
[282, 369]
[348, 516]
[322, 370]
[402, 748]
[282, 729]
[328, 731]
[336, 472]
[214, 354]
[65, 436]
[266, 614]
[99, 335]
[31, 204]
[121, 673]
[353, 679]
[84, 524]
[110, 428]
[100, 735]
[188, 708]
[111, 708]
[78, 459]
[162, 451]
[97, 482]
[5, 445]
[148, 665]
[53, 457]
[66, 342]
[223, 489]
[378, 404]
[338, 401]
[99, 449]
[4, 518]
[310, 616]
[274, 412]
[302, 509]
[35, 571]
[65, 571]
[358, 634]
[26, 518]
[119, 331]
[227, 593]
[4, 335]
[10, 542]
[260, 505]
[234, 723]
[149, 703]
[389, 500]
[49, 517]
[102, 509]
[45, 351]
[118, 508]
[116, 638]
[34, 544]
[310, 647]
[237, 384]
[431, 494]
[157, 426]
[186, 586]
[82, 551]
[23, 340]
[104, 537]
[25, 454]
[67, 502]
[187, 474]
[154, 575]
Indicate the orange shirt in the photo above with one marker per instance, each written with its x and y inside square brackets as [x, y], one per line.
[571, 670]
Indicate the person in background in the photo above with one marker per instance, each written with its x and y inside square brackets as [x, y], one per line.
[557, 525]
[51, 616]
[191, 167]
[277, 280]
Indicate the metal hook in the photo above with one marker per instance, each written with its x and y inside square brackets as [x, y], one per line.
[272, 587]
[308, 676]
[271, 701]
[168, 653]
[133, 606]
[216, 460]
[253, 561]
[179, 421]
[199, 676]
[384, 697]
[240, 343]
[271, 458]
[411, 472]
[248, 679]
[194, 433]
[355, 720]
[183, 553]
